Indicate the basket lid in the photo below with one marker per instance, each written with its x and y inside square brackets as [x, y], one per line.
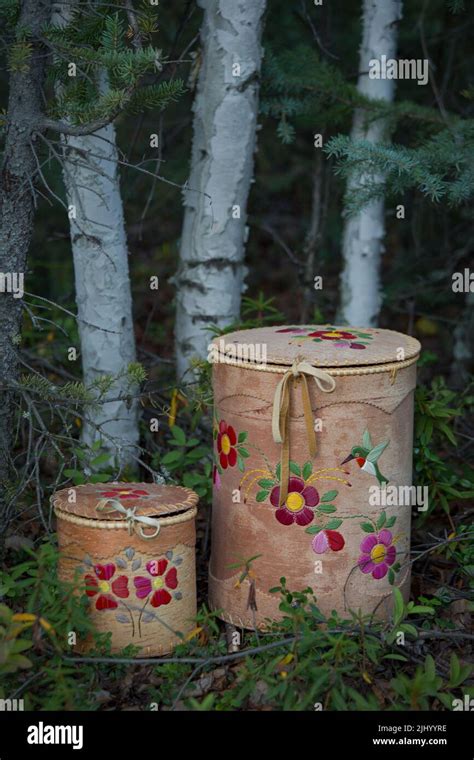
[320, 345]
[148, 500]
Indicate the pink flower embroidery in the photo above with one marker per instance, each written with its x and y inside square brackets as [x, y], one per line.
[216, 478]
[297, 504]
[104, 588]
[327, 540]
[378, 553]
[158, 583]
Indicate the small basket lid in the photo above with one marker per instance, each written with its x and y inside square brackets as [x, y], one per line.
[148, 500]
[320, 345]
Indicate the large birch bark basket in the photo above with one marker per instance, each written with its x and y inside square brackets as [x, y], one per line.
[130, 547]
[313, 426]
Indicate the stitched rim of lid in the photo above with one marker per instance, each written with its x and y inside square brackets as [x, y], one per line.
[386, 361]
[92, 522]
[365, 369]
[156, 509]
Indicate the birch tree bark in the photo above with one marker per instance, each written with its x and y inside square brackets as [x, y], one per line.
[102, 281]
[103, 295]
[364, 232]
[17, 209]
[210, 277]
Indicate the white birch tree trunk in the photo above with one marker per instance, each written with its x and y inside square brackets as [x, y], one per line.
[210, 277]
[364, 232]
[103, 294]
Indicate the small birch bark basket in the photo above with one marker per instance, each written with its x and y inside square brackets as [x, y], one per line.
[313, 426]
[130, 547]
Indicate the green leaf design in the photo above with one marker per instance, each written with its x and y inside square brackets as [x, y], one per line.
[243, 435]
[278, 471]
[391, 577]
[261, 495]
[266, 483]
[243, 452]
[367, 527]
[241, 463]
[390, 522]
[327, 508]
[314, 529]
[307, 470]
[381, 521]
[333, 524]
[295, 469]
[366, 440]
[329, 495]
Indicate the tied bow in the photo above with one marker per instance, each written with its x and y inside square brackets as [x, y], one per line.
[131, 518]
[298, 373]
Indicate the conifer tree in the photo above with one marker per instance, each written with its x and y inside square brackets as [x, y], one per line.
[36, 119]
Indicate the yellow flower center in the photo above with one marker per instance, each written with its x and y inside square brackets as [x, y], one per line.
[158, 583]
[378, 553]
[294, 501]
[104, 587]
[334, 334]
[225, 443]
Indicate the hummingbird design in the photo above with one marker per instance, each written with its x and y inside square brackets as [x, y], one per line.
[367, 456]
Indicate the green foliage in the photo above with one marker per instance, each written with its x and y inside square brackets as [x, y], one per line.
[418, 693]
[104, 43]
[90, 460]
[299, 84]
[188, 462]
[12, 646]
[40, 613]
[441, 168]
[318, 662]
[435, 446]
[75, 392]
[9, 11]
[19, 57]
[157, 96]
[256, 312]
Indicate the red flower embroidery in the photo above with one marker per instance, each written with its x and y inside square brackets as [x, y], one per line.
[226, 441]
[332, 335]
[298, 502]
[124, 493]
[104, 588]
[157, 583]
